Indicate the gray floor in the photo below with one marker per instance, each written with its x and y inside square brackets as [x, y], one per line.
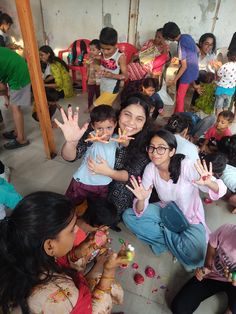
[31, 171]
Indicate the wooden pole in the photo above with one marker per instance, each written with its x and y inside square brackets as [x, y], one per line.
[32, 57]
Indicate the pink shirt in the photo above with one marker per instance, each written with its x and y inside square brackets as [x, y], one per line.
[212, 132]
[184, 193]
[223, 240]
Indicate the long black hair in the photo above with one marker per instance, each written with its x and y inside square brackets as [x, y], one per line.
[177, 123]
[23, 260]
[52, 58]
[138, 145]
[204, 37]
[176, 159]
[227, 146]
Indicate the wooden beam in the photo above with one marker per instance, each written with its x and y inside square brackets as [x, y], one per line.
[32, 57]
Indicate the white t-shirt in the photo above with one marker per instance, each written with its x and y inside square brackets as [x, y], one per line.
[204, 63]
[186, 147]
[227, 74]
[229, 178]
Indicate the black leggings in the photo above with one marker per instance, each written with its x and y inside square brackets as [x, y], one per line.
[194, 292]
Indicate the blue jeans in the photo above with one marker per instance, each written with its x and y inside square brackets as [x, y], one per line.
[222, 101]
[189, 246]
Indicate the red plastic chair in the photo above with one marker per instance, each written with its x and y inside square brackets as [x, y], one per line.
[74, 67]
[128, 49]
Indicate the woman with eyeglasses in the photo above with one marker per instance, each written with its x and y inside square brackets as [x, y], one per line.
[130, 157]
[176, 179]
[206, 61]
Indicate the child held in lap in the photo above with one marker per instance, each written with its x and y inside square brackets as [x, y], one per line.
[87, 181]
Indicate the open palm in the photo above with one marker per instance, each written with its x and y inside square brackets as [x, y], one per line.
[204, 172]
[70, 128]
[138, 190]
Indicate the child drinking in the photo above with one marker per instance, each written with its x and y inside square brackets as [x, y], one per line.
[84, 182]
[226, 84]
[93, 66]
[113, 67]
[149, 88]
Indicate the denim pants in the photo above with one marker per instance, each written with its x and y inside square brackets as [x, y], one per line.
[189, 246]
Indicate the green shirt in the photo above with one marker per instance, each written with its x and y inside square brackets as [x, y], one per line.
[13, 69]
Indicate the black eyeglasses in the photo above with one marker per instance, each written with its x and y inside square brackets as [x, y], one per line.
[160, 150]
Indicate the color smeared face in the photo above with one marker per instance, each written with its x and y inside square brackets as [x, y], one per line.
[106, 127]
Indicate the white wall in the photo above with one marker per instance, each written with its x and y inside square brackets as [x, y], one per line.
[9, 7]
[68, 20]
[193, 17]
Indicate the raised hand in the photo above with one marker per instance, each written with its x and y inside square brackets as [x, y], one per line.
[96, 138]
[70, 128]
[122, 138]
[138, 189]
[204, 172]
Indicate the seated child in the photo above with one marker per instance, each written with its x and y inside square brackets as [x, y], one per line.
[219, 130]
[86, 183]
[93, 67]
[226, 84]
[216, 275]
[150, 88]
[226, 173]
[9, 198]
[205, 102]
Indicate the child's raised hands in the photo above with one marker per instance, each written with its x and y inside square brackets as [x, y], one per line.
[122, 138]
[96, 138]
[204, 172]
[71, 131]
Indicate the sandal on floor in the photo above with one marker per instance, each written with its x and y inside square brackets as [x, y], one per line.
[15, 144]
[9, 135]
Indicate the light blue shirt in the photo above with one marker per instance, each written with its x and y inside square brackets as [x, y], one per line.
[105, 151]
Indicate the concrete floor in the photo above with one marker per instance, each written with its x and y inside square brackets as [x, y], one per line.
[32, 171]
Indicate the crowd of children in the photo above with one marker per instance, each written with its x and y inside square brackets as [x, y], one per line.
[116, 148]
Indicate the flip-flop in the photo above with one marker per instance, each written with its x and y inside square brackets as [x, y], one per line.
[10, 135]
[15, 144]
